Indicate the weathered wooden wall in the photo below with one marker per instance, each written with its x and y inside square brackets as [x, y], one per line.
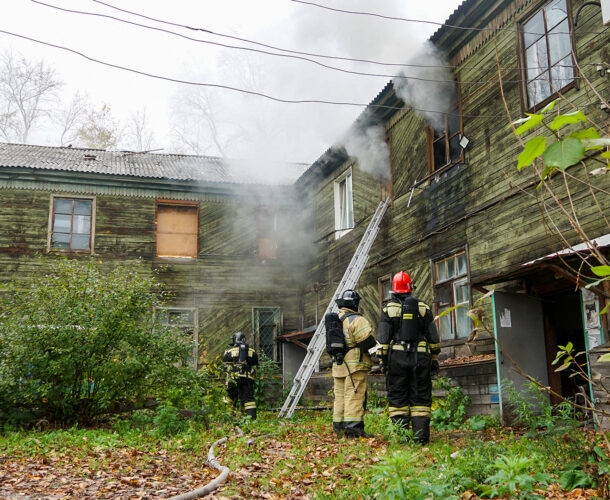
[485, 204]
[224, 283]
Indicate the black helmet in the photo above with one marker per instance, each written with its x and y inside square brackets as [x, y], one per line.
[238, 338]
[349, 299]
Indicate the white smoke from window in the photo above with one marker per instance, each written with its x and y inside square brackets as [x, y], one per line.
[429, 90]
[368, 145]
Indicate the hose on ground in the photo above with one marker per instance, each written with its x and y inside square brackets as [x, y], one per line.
[215, 483]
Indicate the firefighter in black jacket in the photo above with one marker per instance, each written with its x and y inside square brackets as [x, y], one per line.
[241, 360]
[409, 353]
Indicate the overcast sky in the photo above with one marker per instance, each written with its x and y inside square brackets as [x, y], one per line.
[246, 126]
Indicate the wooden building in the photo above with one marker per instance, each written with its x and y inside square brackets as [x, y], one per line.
[464, 221]
[223, 242]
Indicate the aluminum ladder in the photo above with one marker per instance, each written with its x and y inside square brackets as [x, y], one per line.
[317, 345]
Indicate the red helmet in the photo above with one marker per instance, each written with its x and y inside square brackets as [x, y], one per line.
[401, 283]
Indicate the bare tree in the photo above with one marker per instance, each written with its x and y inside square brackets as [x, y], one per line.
[71, 118]
[100, 130]
[139, 135]
[28, 91]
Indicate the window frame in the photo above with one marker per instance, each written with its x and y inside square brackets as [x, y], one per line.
[277, 313]
[430, 140]
[348, 177]
[381, 281]
[72, 197]
[522, 56]
[440, 284]
[194, 326]
[177, 203]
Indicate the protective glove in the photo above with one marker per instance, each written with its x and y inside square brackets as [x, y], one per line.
[339, 358]
[434, 368]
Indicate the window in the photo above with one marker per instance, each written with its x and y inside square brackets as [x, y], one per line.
[385, 287]
[344, 207]
[186, 319]
[547, 49]
[451, 289]
[444, 138]
[266, 325]
[265, 234]
[71, 223]
[177, 229]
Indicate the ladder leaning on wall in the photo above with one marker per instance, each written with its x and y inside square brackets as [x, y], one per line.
[318, 341]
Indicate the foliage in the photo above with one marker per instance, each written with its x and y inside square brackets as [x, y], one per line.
[561, 151]
[168, 420]
[451, 410]
[391, 474]
[513, 476]
[482, 422]
[533, 410]
[268, 384]
[99, 130]
[80, 341]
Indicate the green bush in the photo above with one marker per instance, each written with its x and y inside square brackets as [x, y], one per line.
[268, 385]
[80, 341]
[449, 412]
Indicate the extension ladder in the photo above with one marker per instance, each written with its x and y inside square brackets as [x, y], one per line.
[318, 341]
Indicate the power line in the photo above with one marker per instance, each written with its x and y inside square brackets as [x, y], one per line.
[290, 56]
[442, 25]
[311, 54]
[237, 89]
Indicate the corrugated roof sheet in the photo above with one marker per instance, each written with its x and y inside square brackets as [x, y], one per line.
[149, 165]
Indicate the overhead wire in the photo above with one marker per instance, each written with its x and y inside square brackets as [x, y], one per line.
[249, 49]
[422, 21]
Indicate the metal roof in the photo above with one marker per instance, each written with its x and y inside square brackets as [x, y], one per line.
[208, 169]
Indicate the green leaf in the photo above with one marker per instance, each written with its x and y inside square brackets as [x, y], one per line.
[586, 135]
[601, 270]
[528, 123]
[563, 367]
[549, 106]
[561, 120]
[595, 283]
[606, 154]
[533, 148]
[562, 154]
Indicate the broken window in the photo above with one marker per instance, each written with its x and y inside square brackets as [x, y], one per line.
[177, 229]
[547, 53]
[71, 224]
[185, 319]
[452, 294]
[444, 137]
[266, 327]
[266, 233]
[344, 205]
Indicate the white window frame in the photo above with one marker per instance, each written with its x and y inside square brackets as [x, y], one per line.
[92, 199]
[344, 208]
[184, 326]
[456, 280]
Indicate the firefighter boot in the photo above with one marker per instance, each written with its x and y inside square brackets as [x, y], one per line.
[339, 428]
[356, 430]
[421, 429]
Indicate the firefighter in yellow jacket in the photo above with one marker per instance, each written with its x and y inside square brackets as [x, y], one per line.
[409, 352]
[350, 374]
[241, 360]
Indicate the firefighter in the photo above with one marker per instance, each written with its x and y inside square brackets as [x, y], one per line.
[349, 371]
[409, 355]
[240, 360]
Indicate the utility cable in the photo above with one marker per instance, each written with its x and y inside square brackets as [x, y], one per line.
[249, 49]
[237, 89]
[441, 25]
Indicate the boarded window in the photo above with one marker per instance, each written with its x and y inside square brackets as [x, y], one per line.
[444, 138]
[452, 294]
[177, 230]
[344, 205]
[71, 223]
[266, 234]
[547, 50]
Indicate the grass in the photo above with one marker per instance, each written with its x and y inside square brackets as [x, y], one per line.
[301, 456]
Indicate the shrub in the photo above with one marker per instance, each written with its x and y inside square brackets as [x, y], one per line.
[450, 411]
[77, 342]
[268, 384]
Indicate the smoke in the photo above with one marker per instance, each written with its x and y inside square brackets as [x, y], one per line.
[367, 144]
[429, 88]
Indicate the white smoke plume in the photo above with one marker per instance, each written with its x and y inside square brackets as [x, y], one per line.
[429, 88]
[367, 144]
